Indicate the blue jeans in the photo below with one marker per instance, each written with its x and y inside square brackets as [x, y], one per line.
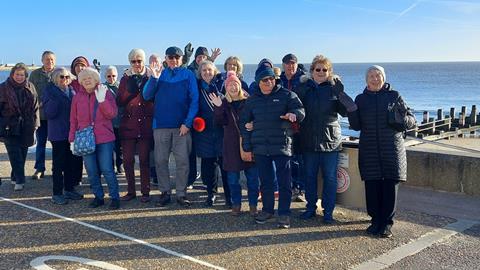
[327, 162]
[252, 186]
[41, 134]
[266, 172]
[103, 154]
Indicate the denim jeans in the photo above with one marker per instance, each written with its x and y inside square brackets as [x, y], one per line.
[17, 154]
[103, 154]
[41, 134]
[327, 162]
[266, 172]
[252, 186]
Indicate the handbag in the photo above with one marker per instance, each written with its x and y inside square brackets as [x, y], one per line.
[84, 142]
[9, 129]
[397, 111]
[243, 155]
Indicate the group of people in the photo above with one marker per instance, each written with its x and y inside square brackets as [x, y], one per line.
[280, 130]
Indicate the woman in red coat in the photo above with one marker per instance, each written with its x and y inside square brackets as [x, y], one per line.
[136, 124]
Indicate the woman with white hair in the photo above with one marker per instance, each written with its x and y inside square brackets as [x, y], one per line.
[320, 134]
[57, 100]
[136, 133]
[382, 116]
[96, 107]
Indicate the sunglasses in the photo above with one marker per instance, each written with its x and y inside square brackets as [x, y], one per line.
[64, 77]
[136, 61]
[111, 76]
[171, 57]
[321, 69]
[266, 80]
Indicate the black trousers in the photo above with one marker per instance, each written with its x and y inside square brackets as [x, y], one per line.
[381, 197]
[210, 169]
[117, 149]
[17, 154]
[64, 169]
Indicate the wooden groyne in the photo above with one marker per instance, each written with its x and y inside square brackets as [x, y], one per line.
[446, 126]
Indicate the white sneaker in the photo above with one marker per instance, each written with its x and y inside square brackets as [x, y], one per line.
[18, 187]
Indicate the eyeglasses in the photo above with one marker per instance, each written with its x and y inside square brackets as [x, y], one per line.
[171, 57]
[266, 80]
[321, 69]
[136, 61]
[111, 76]
[64, 77]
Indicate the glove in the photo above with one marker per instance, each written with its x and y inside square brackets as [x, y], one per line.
[188, 50]
[72, 147]
[101, 92]
[338, 87]
[347, 101]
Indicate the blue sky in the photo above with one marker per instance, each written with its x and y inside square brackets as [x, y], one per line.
[343, 30]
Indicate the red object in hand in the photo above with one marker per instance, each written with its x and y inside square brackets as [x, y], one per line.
[198, 124]
[295, 127]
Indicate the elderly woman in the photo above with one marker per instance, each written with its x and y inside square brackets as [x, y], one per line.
[382, 116]
[57, 100]
[136, 124]
[19, 117]
[208, 143]
[272, 109]
[227, 113]
[96, 106]
[233, 63]
[111, 76]
[320, 134]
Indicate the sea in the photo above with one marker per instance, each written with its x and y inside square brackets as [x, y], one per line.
[426, 86]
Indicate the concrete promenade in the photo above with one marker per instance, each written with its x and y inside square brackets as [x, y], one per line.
[434, 230]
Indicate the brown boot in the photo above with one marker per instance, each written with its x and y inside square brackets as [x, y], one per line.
[236, 211]
[253, 210]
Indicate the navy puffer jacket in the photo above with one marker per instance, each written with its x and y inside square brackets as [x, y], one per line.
[271, 135]
[382, 153]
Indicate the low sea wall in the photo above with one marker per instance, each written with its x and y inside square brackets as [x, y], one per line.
[444, 170]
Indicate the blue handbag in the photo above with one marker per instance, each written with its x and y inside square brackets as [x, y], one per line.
[84, 142]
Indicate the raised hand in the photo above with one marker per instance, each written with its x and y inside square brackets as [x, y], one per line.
[101, 92]
[188, 50]
[216, 100]
[249, 126]
[289, 116]
[215, 53]
[338, 87]
[156, 69]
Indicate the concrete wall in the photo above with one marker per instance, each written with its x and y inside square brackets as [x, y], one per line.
[443, 170]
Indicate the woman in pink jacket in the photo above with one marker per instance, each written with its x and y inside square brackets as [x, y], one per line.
[96, 105]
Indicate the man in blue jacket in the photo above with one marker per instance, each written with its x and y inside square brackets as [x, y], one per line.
[176, 104]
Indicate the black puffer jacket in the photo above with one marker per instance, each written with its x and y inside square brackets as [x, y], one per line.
[271, 135]
[320, 131]
[381, 148]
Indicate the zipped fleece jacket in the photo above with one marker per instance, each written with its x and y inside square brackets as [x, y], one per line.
[176, 98]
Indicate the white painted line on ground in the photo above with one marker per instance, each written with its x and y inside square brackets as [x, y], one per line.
[415, 246]
[40, 263]
[119, 235]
